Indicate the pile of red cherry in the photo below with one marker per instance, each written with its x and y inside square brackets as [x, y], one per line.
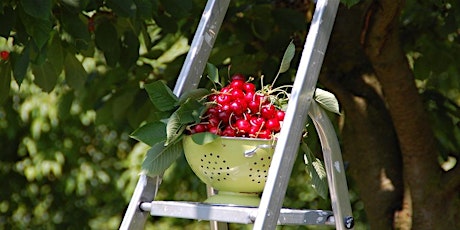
[238, 110]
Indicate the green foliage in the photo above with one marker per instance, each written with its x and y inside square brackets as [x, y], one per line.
[430, 35]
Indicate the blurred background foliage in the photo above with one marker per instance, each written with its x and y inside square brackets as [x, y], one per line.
[71, 93]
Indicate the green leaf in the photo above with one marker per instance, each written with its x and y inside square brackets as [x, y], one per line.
[194, 94]
[106, 38]
[55, 54]
[45, 76]
[177, 8]
[38, 28]
[161, 96]
[145, 8]
[151, 133]
[65, 104]
[213, 72]
[124, 8]
[129, 49]
[174, 128]
[350, 3]
[5, 81]
[7, 21]
[327, 100]
[287, 58]
[160, 157]
[40, 9]
[204, 138]
[21, 64]
[77, 26]
[316, 171]
[190, 111]
[75, 74]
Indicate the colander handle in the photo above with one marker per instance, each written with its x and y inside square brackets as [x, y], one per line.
[252, 152]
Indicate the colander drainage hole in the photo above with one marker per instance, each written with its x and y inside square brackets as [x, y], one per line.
[218, 156]
[255, 163]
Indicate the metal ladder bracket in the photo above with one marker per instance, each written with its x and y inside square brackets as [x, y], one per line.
[234, 214]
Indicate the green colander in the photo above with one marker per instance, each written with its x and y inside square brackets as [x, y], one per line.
[236, 167]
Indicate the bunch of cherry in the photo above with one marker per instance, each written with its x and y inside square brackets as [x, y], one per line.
[238, 110]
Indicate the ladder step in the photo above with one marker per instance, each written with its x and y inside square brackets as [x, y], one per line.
[234, 214]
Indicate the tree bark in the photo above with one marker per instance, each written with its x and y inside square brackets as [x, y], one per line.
[386, 132]
[369, 140]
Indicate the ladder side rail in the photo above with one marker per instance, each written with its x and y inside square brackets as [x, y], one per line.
[189, 78]
[201, 46]
[145, 190]
[296, 114]
[334, 168]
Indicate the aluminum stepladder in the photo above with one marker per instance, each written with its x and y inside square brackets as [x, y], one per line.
[301, 104]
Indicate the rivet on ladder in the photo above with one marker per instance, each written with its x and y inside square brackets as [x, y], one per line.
[349, 222]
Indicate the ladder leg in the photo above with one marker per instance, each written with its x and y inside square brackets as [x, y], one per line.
[201, 46]
[296, 114]
[189, 77]
[145, 191]
[215, 225]
[334, 168]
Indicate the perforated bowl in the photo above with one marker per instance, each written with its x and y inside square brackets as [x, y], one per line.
[231, 164]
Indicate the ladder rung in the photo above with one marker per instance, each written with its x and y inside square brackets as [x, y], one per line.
[234, 214]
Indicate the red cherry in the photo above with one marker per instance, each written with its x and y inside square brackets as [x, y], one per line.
[91, 24]
[238, 76]
[213, 111]
[226, 90]
[280, 115]
[254, 131]
[228, 132]
[256, 121]
[213, 121]
[243, 126]
[273, 124]
[249, 87]
[249, 96]
[254, 106]
[212, 97]
[223, 99]
[237, 108]
[265, 134]
[199, 128]
[4, 55]
[224, 117]
[237, 84]
[214, 130]
[237, 93]
[268, 111]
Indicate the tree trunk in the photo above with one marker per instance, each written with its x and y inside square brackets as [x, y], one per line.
[369, 141]
[385, 128]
